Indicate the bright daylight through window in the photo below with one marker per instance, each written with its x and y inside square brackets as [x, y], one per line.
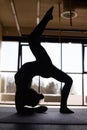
[64, 56]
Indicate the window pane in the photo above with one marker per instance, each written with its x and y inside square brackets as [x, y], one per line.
[53, 50]
[35, 83]
[9, 56]
[85, 60]
[75, 97]
[51, 90]
[85, 89]
[49, 86]
[7, 87]
[72, 57]
[27, 55]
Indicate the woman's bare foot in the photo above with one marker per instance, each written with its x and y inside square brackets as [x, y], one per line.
[49, 15]
[66, 110]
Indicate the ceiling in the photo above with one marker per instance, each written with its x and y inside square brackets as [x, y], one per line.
[24, 17]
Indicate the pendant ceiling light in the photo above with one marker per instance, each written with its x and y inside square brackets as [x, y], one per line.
[68, 10]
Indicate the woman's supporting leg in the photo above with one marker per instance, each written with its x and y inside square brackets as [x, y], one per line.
[63, 77]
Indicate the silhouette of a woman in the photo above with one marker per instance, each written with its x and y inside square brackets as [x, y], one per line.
[43, 65]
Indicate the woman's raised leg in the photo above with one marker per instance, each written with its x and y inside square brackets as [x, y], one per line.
[41, 26]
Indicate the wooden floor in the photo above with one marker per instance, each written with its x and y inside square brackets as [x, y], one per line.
[41, 127]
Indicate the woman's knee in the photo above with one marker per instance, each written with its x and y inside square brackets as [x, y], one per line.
[69, 81]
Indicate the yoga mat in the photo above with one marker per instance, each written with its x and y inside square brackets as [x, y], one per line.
[51, 116]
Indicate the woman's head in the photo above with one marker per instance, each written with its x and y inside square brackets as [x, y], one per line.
[32, 98]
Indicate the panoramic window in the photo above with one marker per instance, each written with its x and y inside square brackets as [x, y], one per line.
[64, 56]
